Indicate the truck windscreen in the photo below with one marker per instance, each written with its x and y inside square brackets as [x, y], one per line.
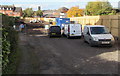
[98, 30]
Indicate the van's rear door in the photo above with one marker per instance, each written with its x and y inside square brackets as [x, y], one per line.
[75, 30]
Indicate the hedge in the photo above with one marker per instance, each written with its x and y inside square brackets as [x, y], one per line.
[9, 45]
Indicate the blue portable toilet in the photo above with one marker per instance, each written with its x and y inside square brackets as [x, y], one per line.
[60, 21]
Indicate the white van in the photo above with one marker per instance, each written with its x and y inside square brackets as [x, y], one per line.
[97, 35]
[72, 30]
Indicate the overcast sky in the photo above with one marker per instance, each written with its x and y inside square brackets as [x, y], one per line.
[51, 4]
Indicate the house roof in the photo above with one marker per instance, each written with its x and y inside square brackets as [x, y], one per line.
[7, 6]
[17, 9]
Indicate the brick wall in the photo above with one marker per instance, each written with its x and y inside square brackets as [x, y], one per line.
[11, 13]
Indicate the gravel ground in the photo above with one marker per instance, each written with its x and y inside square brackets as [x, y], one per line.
[44, 55]
[110, 56]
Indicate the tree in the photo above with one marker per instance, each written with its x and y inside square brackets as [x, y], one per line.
[38, 13]
[98, 8]
[63, 9]
[74, 12]
[28, 12]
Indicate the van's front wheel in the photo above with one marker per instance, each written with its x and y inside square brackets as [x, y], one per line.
[85, 40]
[91, 44]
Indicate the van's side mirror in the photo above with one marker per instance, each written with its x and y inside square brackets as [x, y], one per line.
[88, 33]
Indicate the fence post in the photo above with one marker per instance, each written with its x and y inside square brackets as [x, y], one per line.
[94, 21]
[89, 21]
[110, 27]
[119, 30]
[84, 21]
[101, 21]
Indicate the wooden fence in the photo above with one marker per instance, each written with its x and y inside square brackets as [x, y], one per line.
[112, 22]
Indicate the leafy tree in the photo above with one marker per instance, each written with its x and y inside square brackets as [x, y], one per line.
[74, 12]
[38, 13]
[28, 12]
[98, 8]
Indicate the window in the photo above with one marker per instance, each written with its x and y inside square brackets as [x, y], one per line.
[98, 30]
[7, 9]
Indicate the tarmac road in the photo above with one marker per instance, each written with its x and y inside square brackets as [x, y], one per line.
[59, 55]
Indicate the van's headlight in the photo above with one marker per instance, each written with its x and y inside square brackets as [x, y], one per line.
[95, 38]
[112, 39]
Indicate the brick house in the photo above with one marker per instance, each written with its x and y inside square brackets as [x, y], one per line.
[11, 10]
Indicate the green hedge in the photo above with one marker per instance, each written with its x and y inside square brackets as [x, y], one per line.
[9, 45]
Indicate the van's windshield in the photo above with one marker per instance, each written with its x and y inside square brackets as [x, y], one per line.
[98, 30]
